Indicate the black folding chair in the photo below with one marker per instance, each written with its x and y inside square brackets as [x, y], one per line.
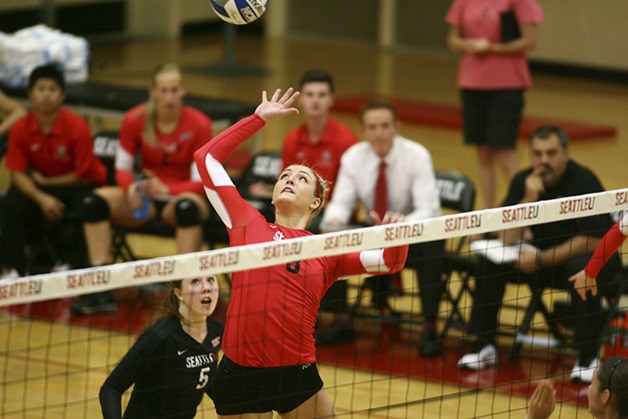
[559, 338]
[457, 194]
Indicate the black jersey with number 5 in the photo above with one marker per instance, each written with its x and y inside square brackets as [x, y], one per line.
[170, 370]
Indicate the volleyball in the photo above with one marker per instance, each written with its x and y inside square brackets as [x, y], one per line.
[239, 12]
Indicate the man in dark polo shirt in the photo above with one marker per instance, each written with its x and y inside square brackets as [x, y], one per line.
[562, 249]
[52, 165]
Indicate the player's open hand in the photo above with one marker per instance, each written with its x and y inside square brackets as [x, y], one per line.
[278, 105]
[543, 401]
[583, 283]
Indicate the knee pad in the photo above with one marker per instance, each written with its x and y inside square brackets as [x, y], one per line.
[187, 213]
[95, 209]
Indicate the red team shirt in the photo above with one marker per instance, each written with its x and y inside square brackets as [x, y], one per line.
[272, 312]
[66, 148]
[324, 156]
[171, 159]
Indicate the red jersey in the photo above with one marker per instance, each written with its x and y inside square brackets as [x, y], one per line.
[171, 159]
[324, 156]
[609, 244]
[66, 148]
[272, 312]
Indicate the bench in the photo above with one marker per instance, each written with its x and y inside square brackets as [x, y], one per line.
[110, 100]
[97, 100]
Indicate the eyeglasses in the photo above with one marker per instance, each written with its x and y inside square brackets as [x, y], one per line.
[610, 374]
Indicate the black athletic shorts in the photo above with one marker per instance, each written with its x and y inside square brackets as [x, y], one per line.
[239, 389]
[492, 117]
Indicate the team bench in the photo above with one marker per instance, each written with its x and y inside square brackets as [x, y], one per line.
[110, 100]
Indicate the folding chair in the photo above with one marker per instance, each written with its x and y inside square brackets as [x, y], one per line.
[536, 305]
[457, 194]
[558, 338]
[105, 146]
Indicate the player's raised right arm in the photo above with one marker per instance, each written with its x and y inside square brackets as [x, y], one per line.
[210, 158]
[221, 147]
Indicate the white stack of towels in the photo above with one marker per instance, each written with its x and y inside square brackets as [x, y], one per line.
[28, 48]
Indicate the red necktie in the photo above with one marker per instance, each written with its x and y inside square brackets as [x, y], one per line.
[381, 191]
[381, 206]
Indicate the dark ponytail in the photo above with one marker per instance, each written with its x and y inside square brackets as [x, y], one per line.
[613, 375]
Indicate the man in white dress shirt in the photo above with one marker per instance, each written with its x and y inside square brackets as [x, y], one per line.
[411, 190]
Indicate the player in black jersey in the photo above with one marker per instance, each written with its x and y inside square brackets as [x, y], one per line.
[173, 360]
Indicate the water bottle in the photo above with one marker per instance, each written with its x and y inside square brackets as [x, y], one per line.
[142, 212]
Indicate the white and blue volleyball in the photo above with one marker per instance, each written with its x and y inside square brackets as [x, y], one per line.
[239, 12]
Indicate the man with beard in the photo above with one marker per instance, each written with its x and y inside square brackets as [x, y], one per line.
[562, 249]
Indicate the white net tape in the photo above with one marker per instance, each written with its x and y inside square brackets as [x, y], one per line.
[83, 281]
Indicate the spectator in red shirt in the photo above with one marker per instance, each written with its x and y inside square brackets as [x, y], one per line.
[52, 166]
[321, 139]
[164, 132]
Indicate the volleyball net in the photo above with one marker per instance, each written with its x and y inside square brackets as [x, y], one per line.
[53, 363]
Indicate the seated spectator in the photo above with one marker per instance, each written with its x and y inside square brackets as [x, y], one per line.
[563, 249]
[52, 167]
[388, 173]
[319, 143]
[165, 133]
[321, 140]
[10, 112]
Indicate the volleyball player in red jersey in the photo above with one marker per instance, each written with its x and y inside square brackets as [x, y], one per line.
[164, 132]
[269, 361]
[585, 280]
